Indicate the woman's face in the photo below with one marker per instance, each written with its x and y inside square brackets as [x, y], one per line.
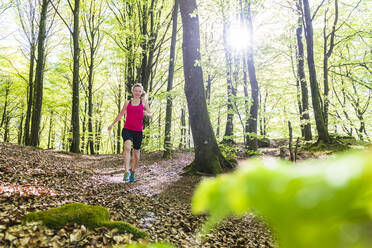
[137, 91]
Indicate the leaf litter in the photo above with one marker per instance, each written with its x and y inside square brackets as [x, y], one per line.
[157, 202]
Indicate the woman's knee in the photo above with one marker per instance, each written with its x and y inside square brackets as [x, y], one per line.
[127, 146]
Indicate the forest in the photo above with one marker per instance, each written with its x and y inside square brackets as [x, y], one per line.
[241, 92]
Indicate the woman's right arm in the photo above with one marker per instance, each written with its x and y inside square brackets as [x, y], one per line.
[120, 115]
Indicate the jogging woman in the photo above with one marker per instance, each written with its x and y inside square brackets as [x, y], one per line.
[134, 109]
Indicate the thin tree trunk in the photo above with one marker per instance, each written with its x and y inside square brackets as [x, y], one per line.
[168, 114]
[6, 128]
[291, 156]
[246, 101]
[315, 94]
[90, 104]
[20, 129]
[229, 129]
[75, 119]
[30, 96]
[39, 77]
[118, 131]
[84, 125]
[253, 111]
[50, 129]
[183, 129]
[326, 55]
[305, 117]
[4, 115]
[208, 158]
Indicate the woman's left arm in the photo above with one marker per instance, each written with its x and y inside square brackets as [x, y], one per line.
[147, 111]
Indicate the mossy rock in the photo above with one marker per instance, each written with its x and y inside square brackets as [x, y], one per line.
[79, 213]
[263, 142]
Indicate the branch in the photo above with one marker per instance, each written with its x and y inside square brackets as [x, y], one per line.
[15, 68]
[64, 21]
[317, 9]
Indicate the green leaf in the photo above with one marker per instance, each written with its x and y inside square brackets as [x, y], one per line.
[309, 205]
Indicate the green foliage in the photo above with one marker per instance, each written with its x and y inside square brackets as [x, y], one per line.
[324, 203]
[250, 153]
[90, 216]
[229, 152]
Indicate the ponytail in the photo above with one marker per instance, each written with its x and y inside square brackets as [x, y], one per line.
[144, 95]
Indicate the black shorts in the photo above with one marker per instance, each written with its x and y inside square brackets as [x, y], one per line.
[134, 136]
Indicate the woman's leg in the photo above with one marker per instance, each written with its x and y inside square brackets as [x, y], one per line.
[135, 158]
[127, 147]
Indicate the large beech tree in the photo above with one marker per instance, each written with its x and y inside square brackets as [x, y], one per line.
[208, 158]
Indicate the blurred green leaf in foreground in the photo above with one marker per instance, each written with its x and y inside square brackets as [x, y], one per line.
[320, 203]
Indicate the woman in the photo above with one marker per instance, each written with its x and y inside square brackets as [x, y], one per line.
[135, 109]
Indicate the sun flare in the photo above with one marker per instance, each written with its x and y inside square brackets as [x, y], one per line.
[238, 37]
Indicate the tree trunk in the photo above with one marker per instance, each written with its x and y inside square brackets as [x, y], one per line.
[183, 129]
[253, 111]
[6, 129]
[75, 121]
[315, 94]
[30, 96]
[305, 117]
[229, 129]
[326, 55]
[64, 142]
[290, 131]
[246, 101]
[92, 21]
[4, 115]
[50, 129]
[84, 126]
[39, 76]
[208, 158]
[20, 129]
[90, 103]
[168, 113]
[118, 131]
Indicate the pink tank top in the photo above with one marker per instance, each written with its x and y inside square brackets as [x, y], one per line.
[134, 120]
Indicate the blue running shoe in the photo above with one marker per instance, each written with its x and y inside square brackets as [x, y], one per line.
[126, 176]
[131, 178]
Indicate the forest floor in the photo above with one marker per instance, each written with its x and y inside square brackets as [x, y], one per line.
[158, 201]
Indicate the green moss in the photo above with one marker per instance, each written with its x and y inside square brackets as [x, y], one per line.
[125, 227]
[90, 216]
[141, 245]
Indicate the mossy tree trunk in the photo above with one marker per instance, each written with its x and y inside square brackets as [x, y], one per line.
[208, 158]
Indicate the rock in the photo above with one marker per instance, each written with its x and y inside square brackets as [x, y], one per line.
[263, 142]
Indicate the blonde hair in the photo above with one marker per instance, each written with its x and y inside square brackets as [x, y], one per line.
[137, 85]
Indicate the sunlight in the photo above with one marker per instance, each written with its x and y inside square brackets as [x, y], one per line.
[238, 37]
